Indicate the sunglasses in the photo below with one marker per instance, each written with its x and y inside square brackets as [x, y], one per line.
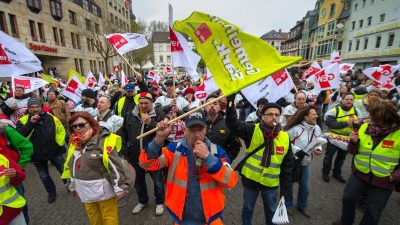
[78, 126]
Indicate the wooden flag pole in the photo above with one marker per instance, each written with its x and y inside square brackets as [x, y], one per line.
[181, 116]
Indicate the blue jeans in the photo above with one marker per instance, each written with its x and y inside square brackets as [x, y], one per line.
[304, 184]
[249, 200]
[376, 201]
[43, 170]
[21, 190]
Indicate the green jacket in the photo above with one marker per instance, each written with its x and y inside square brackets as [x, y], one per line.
[21, 144]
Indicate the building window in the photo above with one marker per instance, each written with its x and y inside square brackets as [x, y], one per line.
[86, 4]
[95, 10]
[111, 18]
[355, 6]
[76, 64]
[321, 30]
[369, 21]
[89, 47]
[391, 39]
[42, 36]
[331, 28]
[360, 23]
[350, 44]
[97, 28]
[363, 3]
[14, 25]
[378, 41]
[62, 39]
[72, 17]
[81, 65]
[56, 9]
[34, 5]
[332, 10]
[365, 43]
[88, 25]
[161, 59]
[382, 18]
[160, 48]
[3, 23]
[353, 25]
[73, 40]
[55, 36]
[32, 27]
[78, 41]
[357, 44]
[168, 59]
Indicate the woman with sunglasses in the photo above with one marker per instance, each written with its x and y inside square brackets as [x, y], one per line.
[96, 171]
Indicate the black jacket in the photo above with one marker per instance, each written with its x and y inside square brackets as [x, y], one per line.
[129, 103]
[220, 134]
[133, 126]
[245, 131]
[43, 137]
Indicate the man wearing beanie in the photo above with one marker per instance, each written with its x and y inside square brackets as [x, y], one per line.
[256, 115]
[268, 161]
[88, 102]
[47, 135]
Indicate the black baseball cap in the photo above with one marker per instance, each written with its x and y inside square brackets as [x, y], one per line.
[196, 118]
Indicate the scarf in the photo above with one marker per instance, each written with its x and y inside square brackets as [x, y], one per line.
[80, 140]
[377, 131]
[269, 135]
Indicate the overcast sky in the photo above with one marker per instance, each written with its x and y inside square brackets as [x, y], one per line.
[253, 16]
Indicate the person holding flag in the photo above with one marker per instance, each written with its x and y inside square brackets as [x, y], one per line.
[341, 120]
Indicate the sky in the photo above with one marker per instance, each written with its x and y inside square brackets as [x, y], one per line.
[252, 16]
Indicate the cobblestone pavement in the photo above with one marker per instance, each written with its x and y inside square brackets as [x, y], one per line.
[324, 204]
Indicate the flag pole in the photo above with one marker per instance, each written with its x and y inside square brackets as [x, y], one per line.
[182, 116]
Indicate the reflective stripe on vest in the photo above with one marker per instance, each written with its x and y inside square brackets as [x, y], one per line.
[252, 169]
[111, 141]
[341, 117]
[8, 194]
[171, 177]
[381, 161]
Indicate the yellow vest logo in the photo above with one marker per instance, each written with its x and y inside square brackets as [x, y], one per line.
[387, 144]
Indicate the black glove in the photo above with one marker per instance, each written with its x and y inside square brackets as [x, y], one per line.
[301, 154]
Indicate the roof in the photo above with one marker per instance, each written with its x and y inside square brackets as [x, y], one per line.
[344, 14]
[273, 34]
[160, 37]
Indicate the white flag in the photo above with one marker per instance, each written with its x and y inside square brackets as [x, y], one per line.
[90, 80]
[15, 58]
[345, 67]
[155, 76]
[127, 42]
[314, 68]
[207, 87]
[335, 58]
[28, 83]
[272, 88]
[381, 74]
[182, 55]
[327, 78]
[74, 89]
[124, 79]
[101, 80]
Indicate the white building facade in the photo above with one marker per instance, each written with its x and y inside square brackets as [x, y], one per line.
[372, 33]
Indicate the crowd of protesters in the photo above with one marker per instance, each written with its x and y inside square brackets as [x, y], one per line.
[189, 161]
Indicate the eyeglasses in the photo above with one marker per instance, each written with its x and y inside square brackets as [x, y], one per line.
[78, 126]
[272, 114]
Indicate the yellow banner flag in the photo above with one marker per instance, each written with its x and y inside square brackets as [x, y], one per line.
[235, 59]
[49, 79]
[73, 73]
